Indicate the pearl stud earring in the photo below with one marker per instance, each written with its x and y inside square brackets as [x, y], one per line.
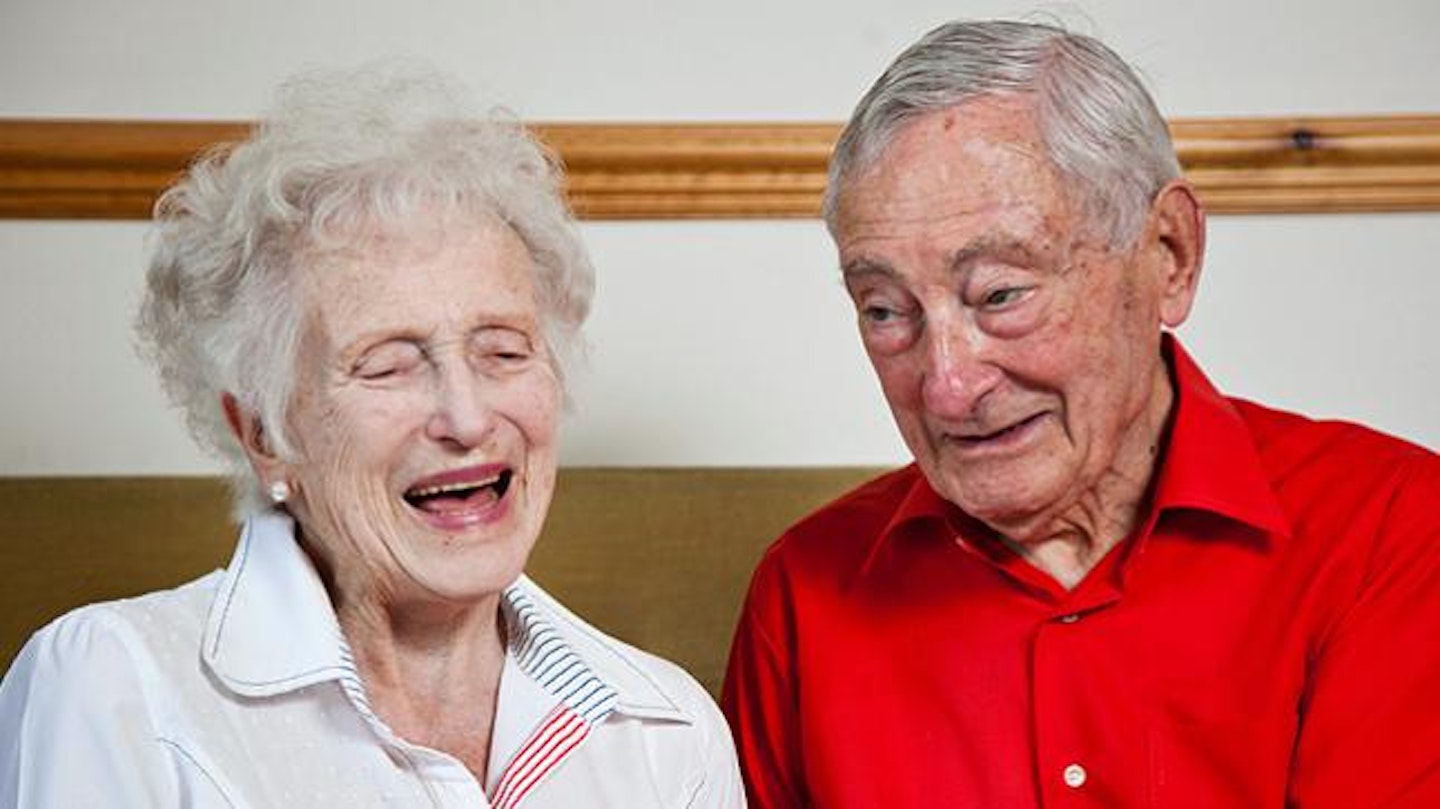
[279, 491]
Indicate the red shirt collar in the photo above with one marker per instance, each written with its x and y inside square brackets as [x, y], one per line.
[1210, 464]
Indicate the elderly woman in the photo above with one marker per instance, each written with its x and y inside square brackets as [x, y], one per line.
[368, 308]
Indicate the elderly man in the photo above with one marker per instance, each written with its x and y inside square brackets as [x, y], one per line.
[1101, 583]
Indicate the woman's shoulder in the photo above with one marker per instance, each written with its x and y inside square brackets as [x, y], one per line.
[89, 642]
[91, 695]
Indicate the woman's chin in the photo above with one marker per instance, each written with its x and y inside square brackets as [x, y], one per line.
[457, 558]
[461, 583]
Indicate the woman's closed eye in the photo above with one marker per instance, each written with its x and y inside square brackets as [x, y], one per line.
[388, 361]
[503, 346]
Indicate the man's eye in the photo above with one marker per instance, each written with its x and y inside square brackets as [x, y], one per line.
[1003, 296]
[879, 314]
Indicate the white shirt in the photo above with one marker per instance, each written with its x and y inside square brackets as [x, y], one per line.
[239, 690]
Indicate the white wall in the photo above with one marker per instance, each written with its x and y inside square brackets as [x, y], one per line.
[682, 59]
[719, 343]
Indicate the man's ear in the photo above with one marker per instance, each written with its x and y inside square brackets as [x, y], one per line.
[249, 431]
[1178, 244]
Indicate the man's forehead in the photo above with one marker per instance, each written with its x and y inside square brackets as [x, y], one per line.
[952, 152]
[998, 246]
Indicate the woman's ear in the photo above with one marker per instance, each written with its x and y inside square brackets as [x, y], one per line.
[249, 431]
[1179, 246]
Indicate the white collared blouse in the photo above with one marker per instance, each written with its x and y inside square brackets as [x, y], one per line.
[238, 690]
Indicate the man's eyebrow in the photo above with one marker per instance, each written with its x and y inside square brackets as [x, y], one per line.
[997, 245]
[862, 267]
[1001, 246]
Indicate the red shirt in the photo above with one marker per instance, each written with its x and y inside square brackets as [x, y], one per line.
[1269, 637]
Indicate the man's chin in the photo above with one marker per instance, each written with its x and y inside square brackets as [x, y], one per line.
[995, 499]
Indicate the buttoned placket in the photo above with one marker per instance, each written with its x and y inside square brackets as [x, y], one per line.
[1060, 747]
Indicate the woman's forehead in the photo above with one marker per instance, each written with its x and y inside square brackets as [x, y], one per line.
[402, 277]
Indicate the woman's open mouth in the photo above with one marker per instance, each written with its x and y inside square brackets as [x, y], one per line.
[461, 497]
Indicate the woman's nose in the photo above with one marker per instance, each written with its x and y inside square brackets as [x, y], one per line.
[462, 414]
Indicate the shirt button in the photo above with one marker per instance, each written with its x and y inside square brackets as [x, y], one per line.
[1070, 619]
[1075, 776]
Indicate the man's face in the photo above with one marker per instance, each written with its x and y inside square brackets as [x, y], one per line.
[1019, 354]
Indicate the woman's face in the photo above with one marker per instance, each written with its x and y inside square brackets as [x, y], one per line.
[424, 417]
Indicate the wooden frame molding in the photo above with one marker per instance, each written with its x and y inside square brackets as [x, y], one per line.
[64, 169]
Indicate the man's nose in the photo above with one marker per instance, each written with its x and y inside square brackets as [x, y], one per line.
[463, 415]
[958, 370]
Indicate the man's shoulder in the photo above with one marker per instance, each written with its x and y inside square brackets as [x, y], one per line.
[1288, 442]
[1341, 473]
[854, 519]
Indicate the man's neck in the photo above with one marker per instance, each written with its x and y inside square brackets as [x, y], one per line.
[1068, 543]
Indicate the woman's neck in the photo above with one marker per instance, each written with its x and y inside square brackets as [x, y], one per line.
[431, 673]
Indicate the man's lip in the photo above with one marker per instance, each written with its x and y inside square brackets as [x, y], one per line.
[980, 439]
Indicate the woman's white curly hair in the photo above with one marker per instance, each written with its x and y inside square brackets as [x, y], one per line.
[343, 155]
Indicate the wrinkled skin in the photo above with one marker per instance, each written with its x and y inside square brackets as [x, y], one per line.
[422, 366]
[1019, 353]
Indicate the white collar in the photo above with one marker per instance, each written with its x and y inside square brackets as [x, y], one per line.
[272, 629]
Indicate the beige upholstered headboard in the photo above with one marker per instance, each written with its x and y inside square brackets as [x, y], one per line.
[657, 557]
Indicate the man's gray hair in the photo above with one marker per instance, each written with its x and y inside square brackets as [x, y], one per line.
[343, 156]
[1101, 128]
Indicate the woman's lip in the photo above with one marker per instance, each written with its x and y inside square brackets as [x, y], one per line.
[470, 475]
[451, 514]
[448, 514]
[466, 517]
